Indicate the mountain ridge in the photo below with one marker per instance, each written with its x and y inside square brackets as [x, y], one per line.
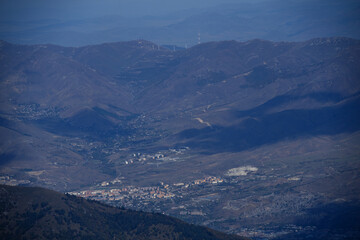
[36, 213]
[112, 87]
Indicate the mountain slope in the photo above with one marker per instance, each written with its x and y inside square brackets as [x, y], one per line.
[222, 73]
[252, 137]
[46, 75]
[35, 213]
[86, 109]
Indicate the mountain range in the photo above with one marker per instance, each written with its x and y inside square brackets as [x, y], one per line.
[273, 125]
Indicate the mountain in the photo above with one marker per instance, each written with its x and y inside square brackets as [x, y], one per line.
[36, 213]
[257, 138]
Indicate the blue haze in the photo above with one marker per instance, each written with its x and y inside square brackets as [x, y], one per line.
[83, 22]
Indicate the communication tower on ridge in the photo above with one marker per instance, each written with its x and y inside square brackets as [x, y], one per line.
[199, 38]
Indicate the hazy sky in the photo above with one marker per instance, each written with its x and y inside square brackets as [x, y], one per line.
[78, 9]
[176, 21]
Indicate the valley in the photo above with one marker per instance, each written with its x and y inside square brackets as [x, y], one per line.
[254, 138]
[270, 200]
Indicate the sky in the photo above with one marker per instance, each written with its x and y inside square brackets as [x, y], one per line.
[83, 22]
[24, 10]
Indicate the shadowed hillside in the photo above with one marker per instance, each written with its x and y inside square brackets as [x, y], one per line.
[35, 213]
